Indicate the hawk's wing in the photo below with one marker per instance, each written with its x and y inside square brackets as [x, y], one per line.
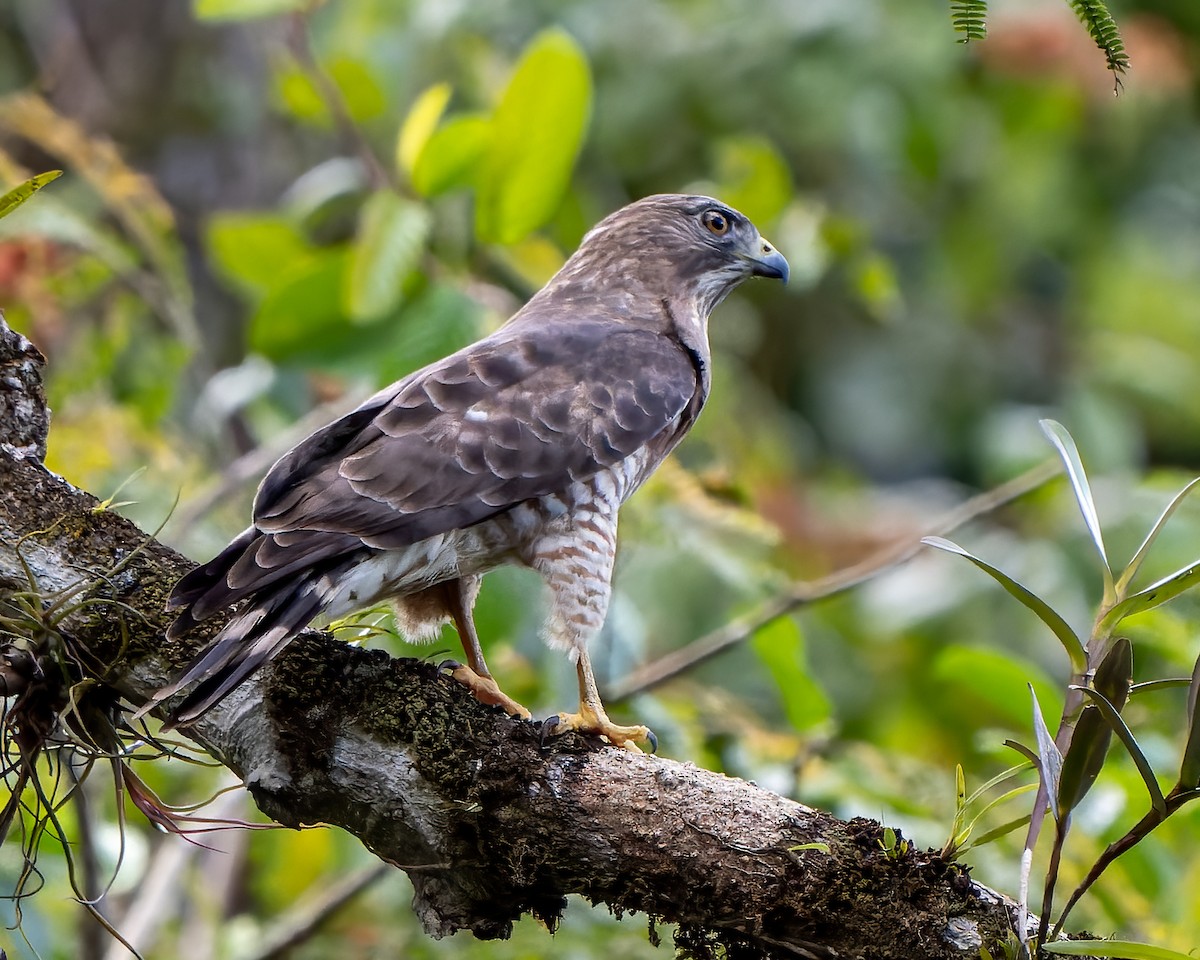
[513, 417]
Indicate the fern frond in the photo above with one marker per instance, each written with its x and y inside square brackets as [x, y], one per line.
[969, 18]
[1103, 29]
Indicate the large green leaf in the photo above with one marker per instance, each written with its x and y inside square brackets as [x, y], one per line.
[388, 248]
[452, 155]
[255, 250]
[419, 125]
[23, 191]
[536, 134]
[1067, 637]
[302, 319]
[780, 646]
[996, 682]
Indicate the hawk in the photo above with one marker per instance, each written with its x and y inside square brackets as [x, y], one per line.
[519, 448]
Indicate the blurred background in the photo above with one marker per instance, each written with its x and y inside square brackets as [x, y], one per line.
[268, 215]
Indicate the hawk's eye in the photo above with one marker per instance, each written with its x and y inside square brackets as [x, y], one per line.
[716, 221]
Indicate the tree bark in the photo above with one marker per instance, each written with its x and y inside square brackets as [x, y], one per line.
[489, 821]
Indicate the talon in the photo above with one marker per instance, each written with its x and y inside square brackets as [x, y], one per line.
[548, 729]
[599, 725]
[486, 690]
[653, 740]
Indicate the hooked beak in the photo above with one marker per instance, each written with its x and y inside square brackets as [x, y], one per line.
[769, 262]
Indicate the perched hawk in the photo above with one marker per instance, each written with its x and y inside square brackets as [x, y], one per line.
[517, 449]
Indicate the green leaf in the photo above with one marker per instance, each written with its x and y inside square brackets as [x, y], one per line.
[23, 191]
[996, 833]
[1102, 28]
[391, 239]
[301, 319]
[1049, 758]
[1159, 592]
[753, 178]
[537, 132]
[969, 18]
[245, 9]
[1065, 444]
[780, 646]
[254, 250]
[1189, 771]
[1125, 949]
[451, 157]
[1071, 643]
[1125, 735]
[419, 125]
[995, 682]
[1135, 564]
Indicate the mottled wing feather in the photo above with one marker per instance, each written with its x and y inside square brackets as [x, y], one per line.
[511, 418]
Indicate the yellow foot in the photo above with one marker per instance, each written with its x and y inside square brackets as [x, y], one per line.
[486, 690]
[588, 721]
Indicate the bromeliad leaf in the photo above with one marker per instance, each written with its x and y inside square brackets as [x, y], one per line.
[23, 191]
[1135, 564]
[1049, 757]
[1065, 444]
[1189, 770]
[1067, 637]
[1093, 733]
[1125, 735]
[1168, 588]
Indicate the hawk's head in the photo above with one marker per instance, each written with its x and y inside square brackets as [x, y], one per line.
[671, 247]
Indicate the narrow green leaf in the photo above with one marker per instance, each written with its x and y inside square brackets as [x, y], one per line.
[1159, 592]
[419, 125]
[780, 646]
[998, 779]
[388, 248]
[1124, 949]
[1050, 759]
[245, 9]
[997, 832]
[1057, 434]
[23, 191]
[1125, 735]
[452, 155]
[1135, 564]
[1151, 686]
[537, 131]
[1189, 771]
[1067, 637]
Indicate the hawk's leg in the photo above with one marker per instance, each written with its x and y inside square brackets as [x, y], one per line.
[475, 674]
[591, 717]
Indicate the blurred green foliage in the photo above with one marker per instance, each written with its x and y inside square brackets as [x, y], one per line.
[254, 225]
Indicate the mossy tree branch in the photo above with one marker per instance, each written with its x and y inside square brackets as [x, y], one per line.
[489, 822]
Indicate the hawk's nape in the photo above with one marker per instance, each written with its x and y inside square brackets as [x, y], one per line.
[519, 448]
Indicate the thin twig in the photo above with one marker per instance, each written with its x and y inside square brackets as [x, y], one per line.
[303, 920]
[807, 591]
[300, 43]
